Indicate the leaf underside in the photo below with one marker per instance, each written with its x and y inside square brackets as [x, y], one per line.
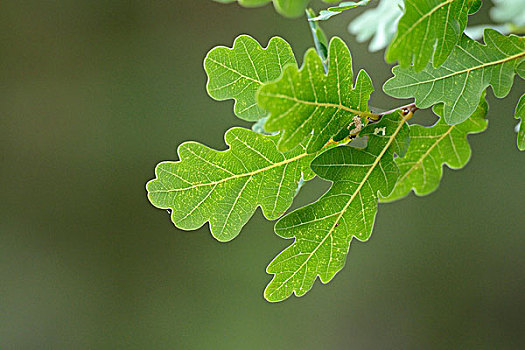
[382, 32]
[323, 230]
[225, 187]
[305, 100]
[335, 10]
[508, 11]
[429, 29]
[430, 148]
[468, 71]
[238, 72]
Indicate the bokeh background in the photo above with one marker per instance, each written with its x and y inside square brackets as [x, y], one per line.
[94, 93]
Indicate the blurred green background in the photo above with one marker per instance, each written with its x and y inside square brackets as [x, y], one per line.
[95, 93]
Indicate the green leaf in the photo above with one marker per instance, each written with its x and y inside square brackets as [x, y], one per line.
[461, 80]
[319, 37]
[335, 10]
[288, 8]
[307, 100]
[225, 187]
[367, 25]
[323, 230]
[520, 113]
[246, 3]
[429, 29]
[238, 72]
[432, 147]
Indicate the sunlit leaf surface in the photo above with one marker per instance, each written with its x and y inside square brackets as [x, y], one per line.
[429, 30]
[430, 148]
[238, 72]
[461, 80]
[225, 187]
[305, 100]
[323, 230]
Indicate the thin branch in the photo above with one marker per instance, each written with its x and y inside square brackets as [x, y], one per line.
[318, 36]
[409, 108]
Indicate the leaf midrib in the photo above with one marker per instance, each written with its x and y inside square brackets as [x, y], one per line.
[236, 176]
[319, 104]
[468, 70]
[416, 23]
[235, 71]
[420, 160]
[427, 153]
[356, 192]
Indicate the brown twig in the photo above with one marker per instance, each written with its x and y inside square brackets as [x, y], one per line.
[404, 109]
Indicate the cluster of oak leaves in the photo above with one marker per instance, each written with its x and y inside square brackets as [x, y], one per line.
[305, 119]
